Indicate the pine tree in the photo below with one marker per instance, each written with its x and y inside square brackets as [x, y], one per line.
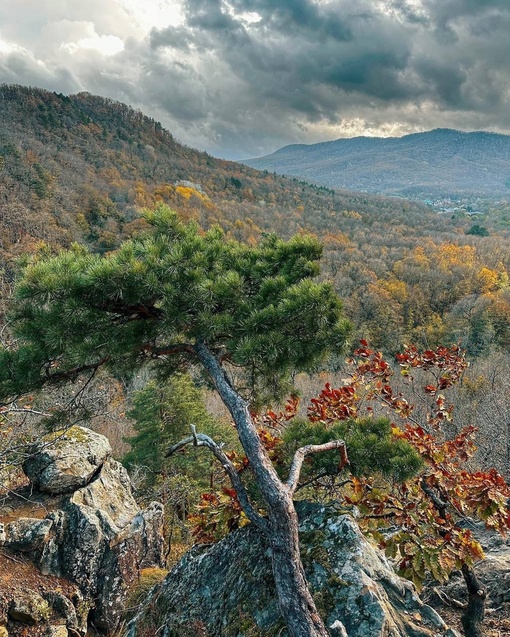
[176, 297]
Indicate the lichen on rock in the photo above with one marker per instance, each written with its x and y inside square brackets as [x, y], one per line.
[94, 537]
[66, 460]
[228, 588]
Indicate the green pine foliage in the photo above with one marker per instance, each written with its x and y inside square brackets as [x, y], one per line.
[162, 415]
[162, 292]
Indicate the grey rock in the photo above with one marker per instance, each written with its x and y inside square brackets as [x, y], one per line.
[30, 608]
[57, 631]
[227, 589]
[101, 540]
[65, 461]
[95, 537]
[27, 534]
[63, 607]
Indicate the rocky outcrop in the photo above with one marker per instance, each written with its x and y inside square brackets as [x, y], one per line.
[65, 461]
[94, 536]
[227, 589]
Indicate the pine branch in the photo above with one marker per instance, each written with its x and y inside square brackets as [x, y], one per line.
[71, 374]
[168, 350]
[136, 312]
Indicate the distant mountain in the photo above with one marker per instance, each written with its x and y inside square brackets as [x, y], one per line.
[440, 162]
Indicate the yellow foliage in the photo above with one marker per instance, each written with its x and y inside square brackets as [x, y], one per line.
[143, 198]
[488, 280]
[351, 214]
[419, 257]
[451, 254]
[185, 191]
[397, 289]
[164, 193]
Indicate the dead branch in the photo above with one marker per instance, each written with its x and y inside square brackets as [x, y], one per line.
[300, 455]
[202, 440]
[449, 601]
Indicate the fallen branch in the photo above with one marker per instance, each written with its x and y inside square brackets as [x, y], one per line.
[449, 601]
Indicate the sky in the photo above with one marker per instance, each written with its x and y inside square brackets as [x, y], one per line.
[242, 78]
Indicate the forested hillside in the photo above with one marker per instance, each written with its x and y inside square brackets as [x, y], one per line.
[80, 168]
[438, 163]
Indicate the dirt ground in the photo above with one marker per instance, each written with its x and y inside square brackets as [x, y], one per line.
[17, 576]
[497, 621]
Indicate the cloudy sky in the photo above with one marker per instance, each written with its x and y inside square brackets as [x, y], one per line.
[241, 78]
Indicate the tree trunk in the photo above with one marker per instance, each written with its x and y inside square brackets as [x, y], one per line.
[294, 598]
[474, 614]
[295, 601]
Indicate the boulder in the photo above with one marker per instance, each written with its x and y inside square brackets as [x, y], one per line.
[226, 589]
[66, 460]
[30, 608]
[64, 608]
[100, 540]
[26, 534]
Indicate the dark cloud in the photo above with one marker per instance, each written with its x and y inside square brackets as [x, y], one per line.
[299, 16]
[242, 77]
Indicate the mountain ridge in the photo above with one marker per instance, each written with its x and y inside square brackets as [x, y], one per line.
[81, 167]
[440, 162]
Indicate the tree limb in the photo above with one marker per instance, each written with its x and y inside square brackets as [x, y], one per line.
[202, 440]
[71, 374]
[134, 312]
[168, 350]
[300, 455]
[440, 505]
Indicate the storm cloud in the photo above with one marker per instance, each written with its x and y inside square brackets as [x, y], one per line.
[244, 77]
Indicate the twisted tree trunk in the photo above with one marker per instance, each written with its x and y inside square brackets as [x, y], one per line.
[472, 619]
[295, 601]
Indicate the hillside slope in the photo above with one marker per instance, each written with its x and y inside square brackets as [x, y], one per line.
[441, 162]
[81, 168]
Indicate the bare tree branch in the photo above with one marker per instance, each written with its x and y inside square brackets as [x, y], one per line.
[300, 455]
[22, 410]
[202, 440]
